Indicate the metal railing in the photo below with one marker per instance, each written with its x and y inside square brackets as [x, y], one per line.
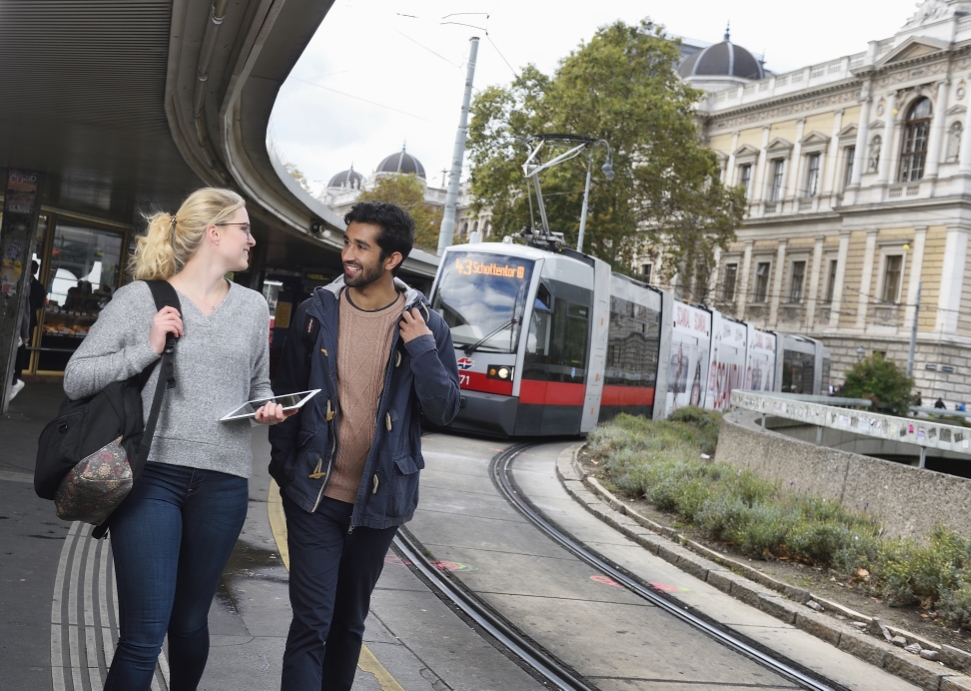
[835, 413]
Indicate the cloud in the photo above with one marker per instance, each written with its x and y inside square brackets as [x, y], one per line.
[382, 72]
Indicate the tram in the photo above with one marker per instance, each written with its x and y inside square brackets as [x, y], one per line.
[550, 341]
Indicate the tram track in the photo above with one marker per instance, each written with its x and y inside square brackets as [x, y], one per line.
[533, 656]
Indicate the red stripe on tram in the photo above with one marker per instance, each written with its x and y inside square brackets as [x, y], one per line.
[536, 392]
[627, 395]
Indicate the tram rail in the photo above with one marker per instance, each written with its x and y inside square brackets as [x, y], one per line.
[534, 657]
[502, 478]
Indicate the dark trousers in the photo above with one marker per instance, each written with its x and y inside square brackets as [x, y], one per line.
[332, 575]
[171, 539]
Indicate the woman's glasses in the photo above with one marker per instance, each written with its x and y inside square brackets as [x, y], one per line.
[244, 226]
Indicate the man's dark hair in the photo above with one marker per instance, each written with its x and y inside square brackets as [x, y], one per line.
[397, 226]
[33, 266]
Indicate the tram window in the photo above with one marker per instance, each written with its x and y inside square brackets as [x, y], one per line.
[633, 340]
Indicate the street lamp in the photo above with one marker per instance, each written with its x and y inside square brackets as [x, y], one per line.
[860, 353]
[533, 171]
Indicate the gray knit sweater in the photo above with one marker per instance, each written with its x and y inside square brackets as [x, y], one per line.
[221, 362]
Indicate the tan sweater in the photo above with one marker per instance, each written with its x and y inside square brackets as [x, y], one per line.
[363, 349]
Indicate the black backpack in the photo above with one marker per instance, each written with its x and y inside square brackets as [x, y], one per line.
[88, 424]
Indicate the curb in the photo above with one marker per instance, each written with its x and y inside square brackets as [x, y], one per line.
[781, 600]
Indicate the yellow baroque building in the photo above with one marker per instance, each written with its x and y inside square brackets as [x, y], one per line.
[858, 177]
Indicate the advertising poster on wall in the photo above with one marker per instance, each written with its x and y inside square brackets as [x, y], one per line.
[18, 214]
[726, 371]
[690, 351]
[760, 370]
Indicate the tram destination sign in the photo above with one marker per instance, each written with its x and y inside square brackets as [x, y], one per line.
[471, 267]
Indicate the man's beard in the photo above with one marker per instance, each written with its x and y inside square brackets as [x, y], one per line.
[364, 277]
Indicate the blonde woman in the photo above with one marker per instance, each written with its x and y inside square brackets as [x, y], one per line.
[172, 536]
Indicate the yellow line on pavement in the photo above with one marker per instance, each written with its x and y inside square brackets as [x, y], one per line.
[278, 526]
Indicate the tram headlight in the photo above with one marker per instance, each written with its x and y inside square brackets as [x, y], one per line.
[501, 372]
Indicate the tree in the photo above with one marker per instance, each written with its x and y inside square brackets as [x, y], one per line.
[666, 201]
[297, 175]
[882, 382]
[408, 192]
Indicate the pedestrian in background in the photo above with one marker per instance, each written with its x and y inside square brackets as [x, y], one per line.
[348, 464]
[172, 536]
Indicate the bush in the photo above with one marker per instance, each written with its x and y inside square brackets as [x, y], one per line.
[882, 382]
[661, 461]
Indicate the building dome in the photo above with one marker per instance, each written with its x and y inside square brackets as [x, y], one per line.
[401, 162]
[723, 59]
[349, 178]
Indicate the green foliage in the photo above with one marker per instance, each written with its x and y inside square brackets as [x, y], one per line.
[661, 462]
[407, 191]
[297, 175]
[882, 382]
[622, 86]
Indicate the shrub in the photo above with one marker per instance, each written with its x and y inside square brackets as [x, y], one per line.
[881, 381]
[661, 462]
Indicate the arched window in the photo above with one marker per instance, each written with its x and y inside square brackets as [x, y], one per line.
[914, 151]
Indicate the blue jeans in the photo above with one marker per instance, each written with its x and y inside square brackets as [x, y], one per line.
[332, 575]
[171, 539]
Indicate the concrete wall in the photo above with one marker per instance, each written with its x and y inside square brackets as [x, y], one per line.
[908, 501]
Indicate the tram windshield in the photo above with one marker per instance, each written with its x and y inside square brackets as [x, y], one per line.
[482, 298]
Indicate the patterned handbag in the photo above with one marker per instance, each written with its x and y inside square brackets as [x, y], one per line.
[95, 486]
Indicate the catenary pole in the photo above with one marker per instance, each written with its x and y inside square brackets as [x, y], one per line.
[913, 334]
[451, 197]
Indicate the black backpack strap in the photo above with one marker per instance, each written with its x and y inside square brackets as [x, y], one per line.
[165, 296]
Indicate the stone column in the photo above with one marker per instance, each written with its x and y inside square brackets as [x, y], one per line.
[866, 279]
[814, 274]
[889, 135]
[916, 263]
[952, 280]
[936, 139]
[731, 173]
[742, 289]
[862, 137]
[828, 184]
[780, 268]
[964, 166]
[791, 188]
[837, 304]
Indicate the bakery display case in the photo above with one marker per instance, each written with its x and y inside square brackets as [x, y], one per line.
[81, 275]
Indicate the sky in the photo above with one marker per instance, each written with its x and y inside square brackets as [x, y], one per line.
[380, 74]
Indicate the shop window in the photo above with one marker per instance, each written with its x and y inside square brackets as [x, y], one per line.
[83, 273]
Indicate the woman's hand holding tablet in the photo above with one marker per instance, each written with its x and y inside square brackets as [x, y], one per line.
[270, 411]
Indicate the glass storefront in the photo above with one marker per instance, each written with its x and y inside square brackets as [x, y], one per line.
[83, 270]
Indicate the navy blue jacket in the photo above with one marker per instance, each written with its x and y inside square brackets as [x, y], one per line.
[421, 377]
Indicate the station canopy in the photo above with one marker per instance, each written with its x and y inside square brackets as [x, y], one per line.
[126, 106]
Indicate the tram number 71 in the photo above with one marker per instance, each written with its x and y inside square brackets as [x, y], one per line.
[464, 379]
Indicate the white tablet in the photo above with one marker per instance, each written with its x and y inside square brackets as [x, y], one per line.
[289, 401]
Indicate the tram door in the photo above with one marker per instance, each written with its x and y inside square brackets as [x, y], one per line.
[599, 327]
